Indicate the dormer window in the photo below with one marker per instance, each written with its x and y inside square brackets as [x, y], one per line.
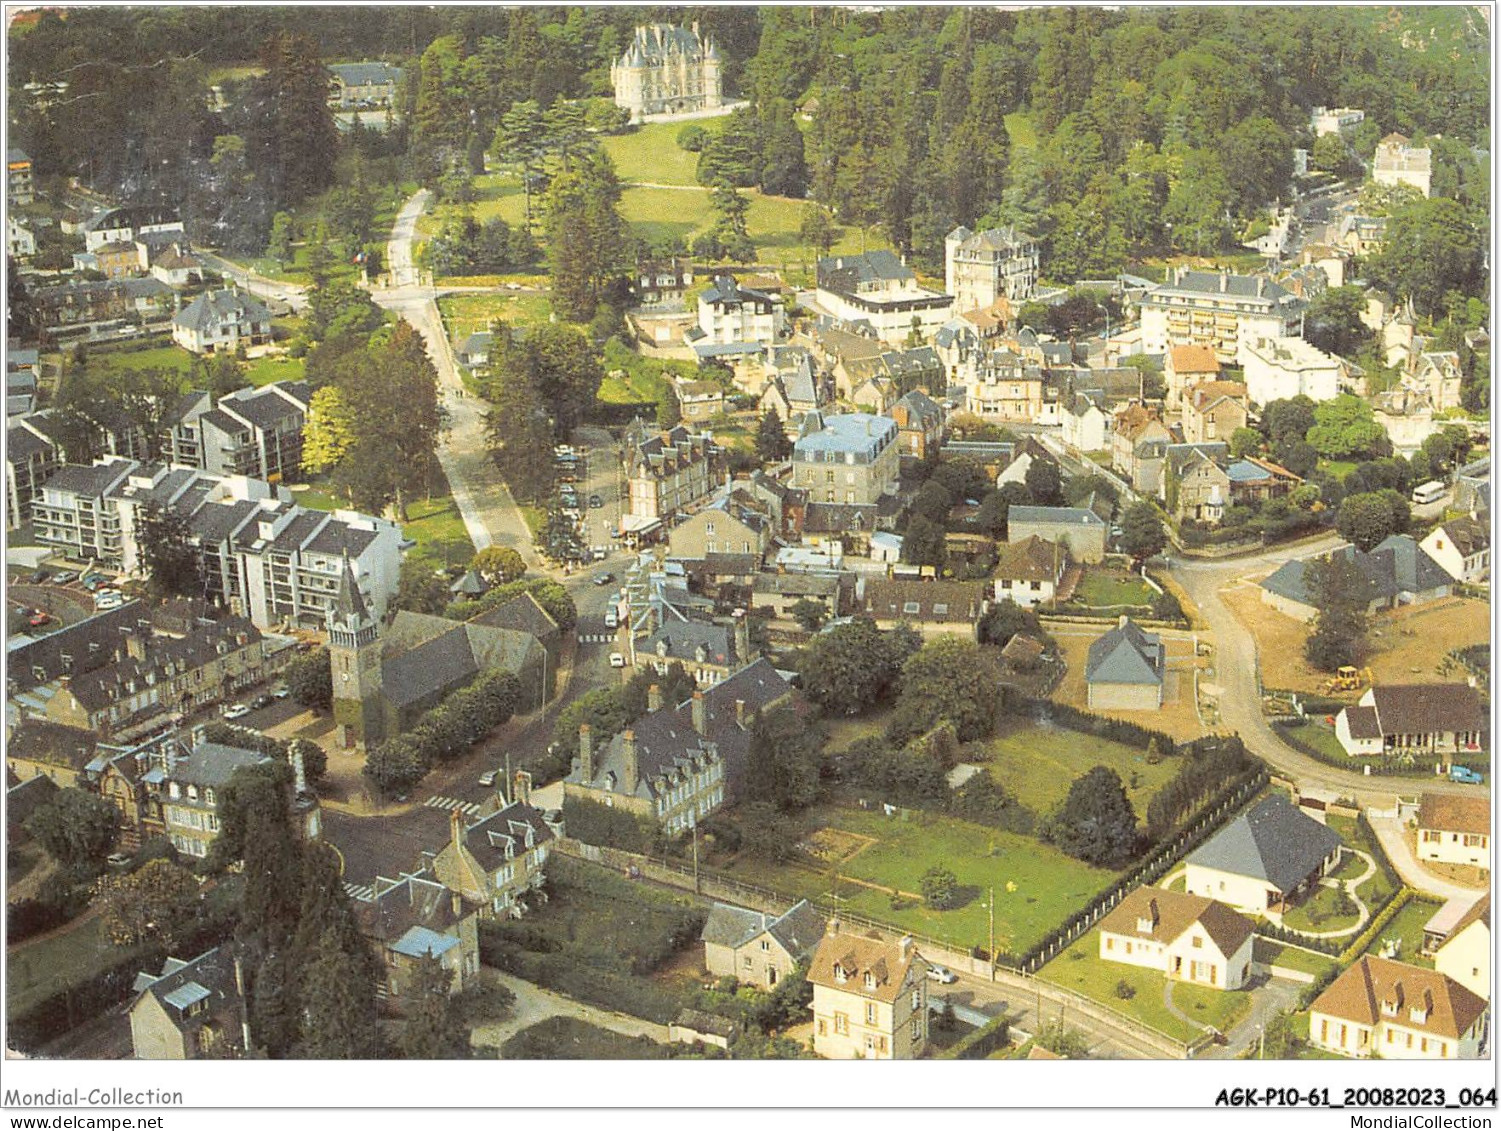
[1418, 1015]
[208, 796]
[870, 980]
[1389, 1008]
[839, 973]
[192, 793]
[174, 791]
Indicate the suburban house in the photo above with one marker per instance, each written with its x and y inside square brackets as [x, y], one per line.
[417, 917]
[19, 184]
[1138, 444]
[1218, 309]
[1213, 411]
[1028, 571]
[1085, 423]
[1438, 376]
[699, 401]
[474, 351]
[667, 70]
[870, 997]
[850, 458]
[880, 290]
[729, 313]
[1184, 368]
[1125, 669]
[194, 1008]
[127, 224]
[669, 472]
[756, 948]
[1077, 529]
[1465, 954]
[1463, 547]
[1378, 1007]
[1415, 718]
[1257, 480]
[734, 522]
[1400, 163]
[221, 321]
[792, 394]
[662, 282]
[1398, 572]
[357, 86]
[1189, 938]
[1270, 854]
[980, 267]
[936, 605]
[1277, 368]
[1454, 829]
[706, 651]
[779, 592]
[497, 861]
[190, 789]
[677, 764]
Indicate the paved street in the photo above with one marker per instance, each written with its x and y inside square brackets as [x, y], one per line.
[290, 293]
[1393, 838]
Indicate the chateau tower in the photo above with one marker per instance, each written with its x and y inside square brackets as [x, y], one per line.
[354, 656]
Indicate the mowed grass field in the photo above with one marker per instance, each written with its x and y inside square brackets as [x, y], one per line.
[1407, 926]
[259, 371]
[43, 966]
[651, 153]
[466, 314]
[1049, 886]
[1038, 764]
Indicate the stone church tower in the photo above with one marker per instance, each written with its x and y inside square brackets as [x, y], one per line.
[354, 656]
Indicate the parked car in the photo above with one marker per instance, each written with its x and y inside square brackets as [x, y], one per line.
[261, 701]
[600, 553]
[1465, 775]
[487, 779]
[280, 692]
[92, 581]
[617, 660]
[39, 619]
[108, 599]
[604, 579]
[65, 576]
[595, 502]
[942, 975]
[612, 619]
[236, 711]
[39, 576]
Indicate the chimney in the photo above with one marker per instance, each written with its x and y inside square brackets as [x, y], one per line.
[632, 766]
[742, 638]
[299, 771]
[700, 713]
[455, 828]
[586, 753]
[456, 902]
[740, 712]
[1224, 281]
[1122, 622]
[904, 947]
[654, 697]
[521, 787]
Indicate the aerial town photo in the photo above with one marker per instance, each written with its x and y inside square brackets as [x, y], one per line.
[748, 533]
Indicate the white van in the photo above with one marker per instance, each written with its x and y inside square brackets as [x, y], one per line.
[1430, 492]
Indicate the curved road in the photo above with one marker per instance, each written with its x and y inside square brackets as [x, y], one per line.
[490, 513]
[1240, 701]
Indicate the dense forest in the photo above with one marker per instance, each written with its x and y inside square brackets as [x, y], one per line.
[1108, 134]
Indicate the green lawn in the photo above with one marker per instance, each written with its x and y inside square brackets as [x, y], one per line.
[467, 314]
[651, 153]
[265, 370]
[1407, 926]
[567, 1038]
[1316, 734]
[1102, 589]
[1272, 953]
[1339, 468]
[1381, 886]
[1038, 764]
[317, 495]
[1049, 886]
[1305, 1050]
[1020, 131]
[38, 968]
[1081, 969]
[645, 377]
[1317, 913]
[438, 529]
[158, 357]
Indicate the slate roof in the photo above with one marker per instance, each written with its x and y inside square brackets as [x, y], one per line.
[1272, 841]
[923, 408]
[1072, 516]
[395, 907]
[52, 744]
[1455, 813]
[1171, 913]
[212, 764]
[215, 308]
[1428, 708]
[844, 432]
[1397, 565]
[22, 444]
[845, 273]
[713, 1024]
[1126, 654]
[520, 614]
[726, 290]
[96, 689]
[681, 640]
[489, 837]
[89, 480]
[797, 929]
[428, 668]
[267, 407]
[1358, 994]
[1469, 537]
[25, 798]
[90, 642]
[938, 602]
[1032, 559]
[130, 216]
[798, 584]
[183, 983]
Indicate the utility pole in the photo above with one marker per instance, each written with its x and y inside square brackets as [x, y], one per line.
[990, 954]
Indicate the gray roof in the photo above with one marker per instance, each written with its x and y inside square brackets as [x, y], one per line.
[212, 764]
[847, 272]
[268, 406]
[846, 432]
[1397, 565]
[89, 480]
[681, 640]
[428, 668]
[130, 216]
[488, 838]
[1271, 841]
[181, 984]
[726, 289]
[365, 74]
[1071, 516]
[1126, 654]
[214, 308]
[797, 930]
[22, 443]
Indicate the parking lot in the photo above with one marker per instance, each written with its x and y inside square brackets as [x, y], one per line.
[44, 600]
[584, 511]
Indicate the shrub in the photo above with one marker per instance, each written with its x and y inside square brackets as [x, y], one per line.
[993, 1035]
[53, 907]
[1125, 990]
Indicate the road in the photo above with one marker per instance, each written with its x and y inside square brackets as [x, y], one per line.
[490, 513]
[290, 293]
[994, 999]
[1240, 701]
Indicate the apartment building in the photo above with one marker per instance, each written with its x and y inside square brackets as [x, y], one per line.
[850, 458]
[670, 472]
[1218, 309]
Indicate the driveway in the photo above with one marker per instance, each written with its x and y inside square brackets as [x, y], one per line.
[1393, 838]
[1272, 997]
[534, 1004]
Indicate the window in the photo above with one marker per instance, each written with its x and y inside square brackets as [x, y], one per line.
[1198, 942]
[842, 1023]
[911, 608]
[916, 1029]
[747, 962]
[823, 1027]
[870, 1013]
[1109, 942]
[1424, 1046]
[709, 528]
[940, 609]
[1474, 840]
[1432, 837]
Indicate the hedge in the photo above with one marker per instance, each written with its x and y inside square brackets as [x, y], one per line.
[52, 908]
[1414, 768]
[1278, 933]
[1116, 730]
[994, 1034]
[1376, 926]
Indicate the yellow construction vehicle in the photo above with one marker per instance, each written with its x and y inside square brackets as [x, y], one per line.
[1349, 678]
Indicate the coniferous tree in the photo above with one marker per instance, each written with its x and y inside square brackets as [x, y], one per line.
[434, 1028]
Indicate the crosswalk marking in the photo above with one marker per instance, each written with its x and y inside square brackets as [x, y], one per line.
[596, 637]
[360, 891]
[468, 808]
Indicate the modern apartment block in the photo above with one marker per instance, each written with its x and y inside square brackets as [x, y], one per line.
[1217, 309]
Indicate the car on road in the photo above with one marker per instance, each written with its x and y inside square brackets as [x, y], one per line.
[617, 660]
[487, 779]
[236, 711]
[942, 975]
[612, 619]
[595, 502]
[600, 553]
[260, 702]
[1466, 776]
[604, 579]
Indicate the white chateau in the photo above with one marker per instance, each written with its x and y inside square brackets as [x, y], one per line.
[667, 70]
[980, 267]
